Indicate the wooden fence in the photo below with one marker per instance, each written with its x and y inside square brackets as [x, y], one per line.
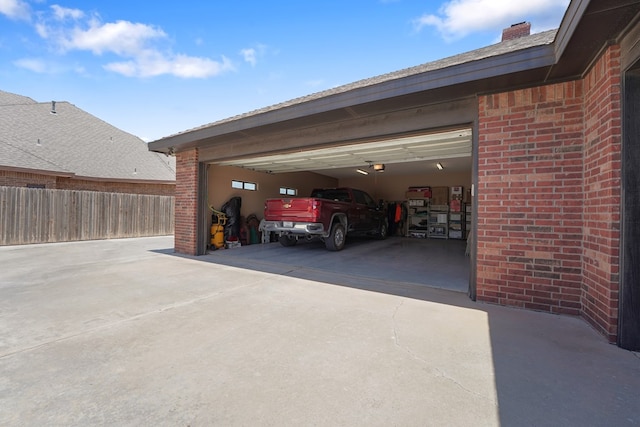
[31, 215]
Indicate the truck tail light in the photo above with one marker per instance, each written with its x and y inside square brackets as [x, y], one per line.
[315, 205]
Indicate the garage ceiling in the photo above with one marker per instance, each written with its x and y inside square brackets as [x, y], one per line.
[406, 154]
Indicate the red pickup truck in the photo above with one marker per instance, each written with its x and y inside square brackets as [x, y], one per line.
[329, 214]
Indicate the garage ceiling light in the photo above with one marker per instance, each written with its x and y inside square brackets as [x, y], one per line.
[363, 172]
[439, 166]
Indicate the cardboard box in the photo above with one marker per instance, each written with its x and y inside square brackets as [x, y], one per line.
[440, 195]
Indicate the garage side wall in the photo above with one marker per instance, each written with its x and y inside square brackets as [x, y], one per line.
[186, 210]
[602, 174]
[267, 186]
[530, 197]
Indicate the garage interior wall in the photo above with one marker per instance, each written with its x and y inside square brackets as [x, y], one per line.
[378, 185]
[394, 187]
[268, 186]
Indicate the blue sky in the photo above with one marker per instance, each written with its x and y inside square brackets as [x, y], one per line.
[157, 68]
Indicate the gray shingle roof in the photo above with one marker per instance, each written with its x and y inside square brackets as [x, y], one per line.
[508, 46]
[7, 98]
[73, 141]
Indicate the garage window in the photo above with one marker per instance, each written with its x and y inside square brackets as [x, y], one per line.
[243, 185]
[286, 191]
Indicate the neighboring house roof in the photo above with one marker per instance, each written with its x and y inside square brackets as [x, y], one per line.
[7, 98]
[73, 142]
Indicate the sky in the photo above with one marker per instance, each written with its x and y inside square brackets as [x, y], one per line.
[155, 69]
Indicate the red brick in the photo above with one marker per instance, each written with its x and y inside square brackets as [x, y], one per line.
[555, 152]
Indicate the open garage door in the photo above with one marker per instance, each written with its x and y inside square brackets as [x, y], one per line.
[399, 155]
[387, 168]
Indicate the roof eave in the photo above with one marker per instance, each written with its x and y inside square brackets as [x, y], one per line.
[37, 171]
[586, 27]
[531, 58]
[124, 180]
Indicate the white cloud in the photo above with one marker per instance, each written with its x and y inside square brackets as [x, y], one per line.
[138, 45]
[35, 65]
[252, 54]
[459, 18]
[42, 66]
[15, 9]
[154, 64]
[121, 37]
[249, 56]
[63, 13]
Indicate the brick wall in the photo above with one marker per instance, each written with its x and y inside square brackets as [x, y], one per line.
[186, 202]
[116, 187]
[602, 193]
[530, 198]
[21, 179]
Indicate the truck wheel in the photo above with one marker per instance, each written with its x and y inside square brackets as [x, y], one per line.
[287, 240]
[336, 239]
[383, 230]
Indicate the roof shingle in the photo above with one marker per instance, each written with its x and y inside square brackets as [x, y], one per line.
[72, 141]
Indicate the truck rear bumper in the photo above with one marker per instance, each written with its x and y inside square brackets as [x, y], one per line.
[290, 227]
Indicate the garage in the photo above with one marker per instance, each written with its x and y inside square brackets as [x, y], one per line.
[422, 182]
[532, 129]
[398, 156]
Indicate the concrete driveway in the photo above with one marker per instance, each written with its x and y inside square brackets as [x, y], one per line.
[124, 332]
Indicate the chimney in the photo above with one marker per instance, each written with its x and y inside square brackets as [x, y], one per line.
[516, 31]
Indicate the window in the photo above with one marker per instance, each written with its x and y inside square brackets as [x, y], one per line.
[332, 194]
[363, 198]
[288, 191]
[242, 185]
[36, 186]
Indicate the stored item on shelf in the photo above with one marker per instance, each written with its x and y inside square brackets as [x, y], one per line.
[440, 196]
[439, 208]
[456, 191]
[455, 205]
[418, 193]
[455, 234]
[418, 234]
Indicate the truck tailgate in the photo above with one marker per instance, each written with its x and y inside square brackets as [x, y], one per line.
[290, 209]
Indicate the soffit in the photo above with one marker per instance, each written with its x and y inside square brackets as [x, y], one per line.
[586, 29]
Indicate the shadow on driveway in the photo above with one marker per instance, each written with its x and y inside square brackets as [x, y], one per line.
[363, 263]
[124, 332]
[548, 369]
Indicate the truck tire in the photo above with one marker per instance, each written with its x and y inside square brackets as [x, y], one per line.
[286, 240]
[335, 240]
[383, 230]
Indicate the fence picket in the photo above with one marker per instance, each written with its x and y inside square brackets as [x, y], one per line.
[34, 215]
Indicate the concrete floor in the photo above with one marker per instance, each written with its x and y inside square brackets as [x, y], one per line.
[435, 263]
[124, 332]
